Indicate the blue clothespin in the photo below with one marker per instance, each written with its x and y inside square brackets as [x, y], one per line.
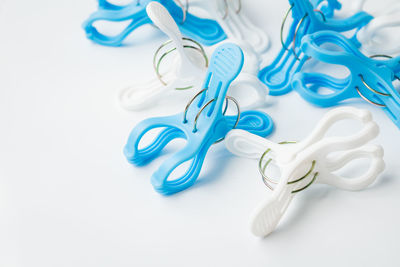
[308, 17]
[369, 78]
[202, 124]
[205, 31]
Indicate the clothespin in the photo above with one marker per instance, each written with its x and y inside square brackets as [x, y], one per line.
[308, 17]
[313, 160]
[369, 78]
[186, 73]
[202, 124]
[205, 31]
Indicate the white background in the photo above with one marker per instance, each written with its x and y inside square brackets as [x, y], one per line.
[68, 197]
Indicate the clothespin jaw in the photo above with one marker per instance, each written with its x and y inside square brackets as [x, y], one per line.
[369, 78]
[205, 31]
[202, 124]
[309, 161]
[307, 19]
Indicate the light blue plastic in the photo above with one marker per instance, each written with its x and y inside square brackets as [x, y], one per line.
[205, 31]
[278, 74]
[378, 74]
[225, 65]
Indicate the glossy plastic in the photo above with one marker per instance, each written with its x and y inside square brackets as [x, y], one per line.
[205, 31]
[378, 74]
[185, 71]
[212, 125]
[294, 160]
[277, 76]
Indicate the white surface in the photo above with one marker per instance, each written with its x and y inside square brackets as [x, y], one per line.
[69, 198]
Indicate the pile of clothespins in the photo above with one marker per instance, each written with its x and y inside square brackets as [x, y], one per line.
[315, 33]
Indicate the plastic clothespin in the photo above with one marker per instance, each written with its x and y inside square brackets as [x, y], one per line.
[185, 74]
[372, 37]
[237, 26]
[205, 31]
[309, 161]
[308, 17]
[202, 124]
[369, 78]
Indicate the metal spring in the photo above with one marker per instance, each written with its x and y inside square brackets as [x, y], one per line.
[157, 64]
[227, 98]
[184, 8]
[388, 57]
[267, 180]
[297, 29]
[237, 11]
[372, 90]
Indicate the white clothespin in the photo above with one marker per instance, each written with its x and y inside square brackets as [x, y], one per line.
[371, 36]
[235, 23]
[309, 161]
[185, 73]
